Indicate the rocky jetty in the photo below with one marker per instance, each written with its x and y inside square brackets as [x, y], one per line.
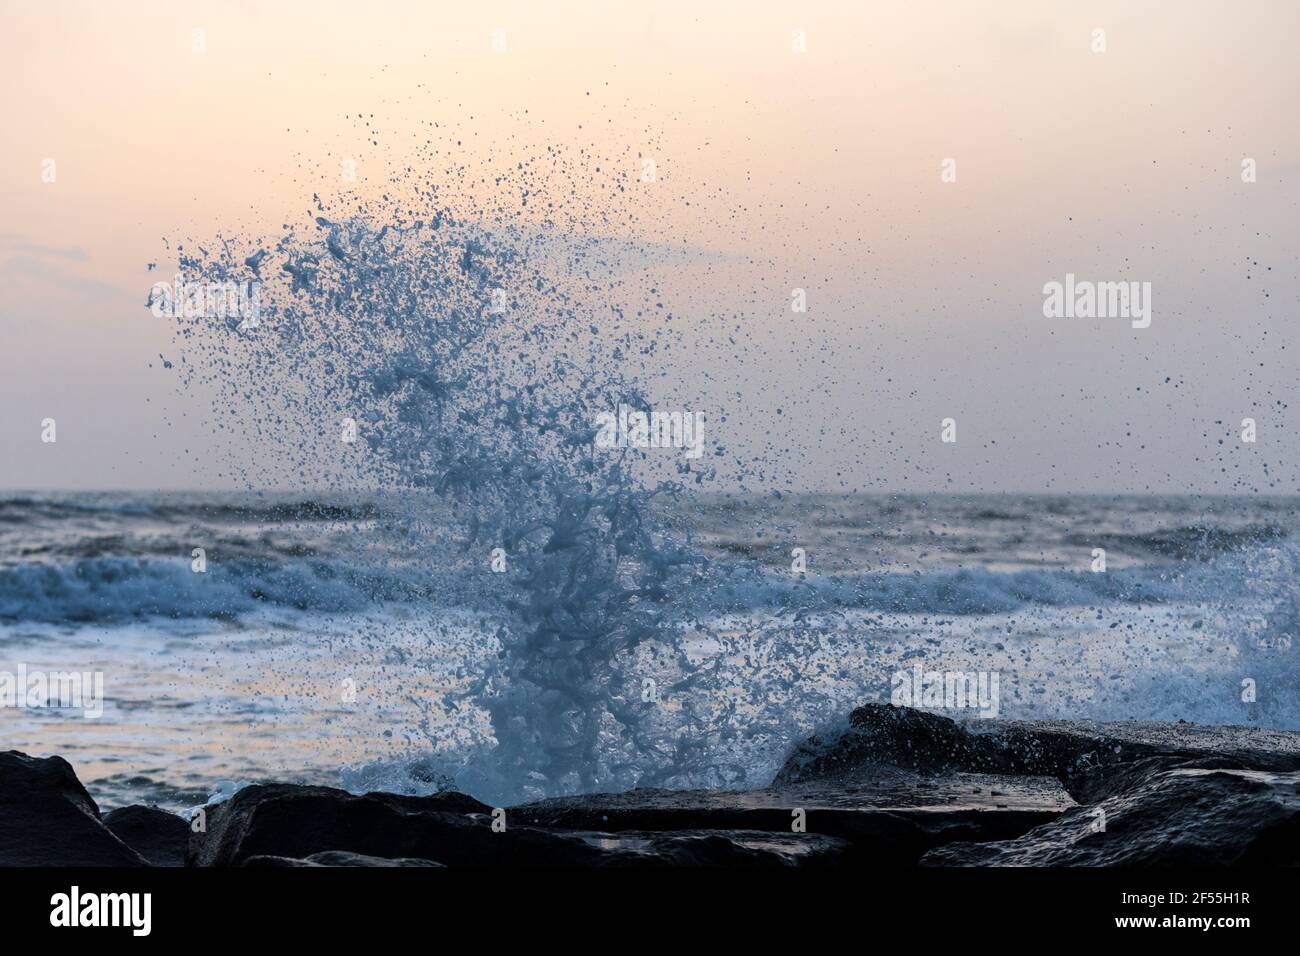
[893, 786]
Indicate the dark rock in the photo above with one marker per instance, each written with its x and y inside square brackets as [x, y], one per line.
[703, 848]
[282, 825]
[746, 848]
[335, 858]
[1097, 760]
[48, 819]
[892, 817]
[1093, 760]
[895, 787]
[884, 735]
[1171, 793]
[1180, 817]
[158, 836]
[449, 828]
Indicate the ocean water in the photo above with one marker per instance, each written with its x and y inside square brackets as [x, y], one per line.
[335, 639]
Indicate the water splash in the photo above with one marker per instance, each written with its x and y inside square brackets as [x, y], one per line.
[474, 363]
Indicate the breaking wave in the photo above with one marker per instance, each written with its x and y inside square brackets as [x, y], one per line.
[107, 589]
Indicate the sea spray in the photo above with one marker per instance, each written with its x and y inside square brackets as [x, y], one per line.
[492, 409]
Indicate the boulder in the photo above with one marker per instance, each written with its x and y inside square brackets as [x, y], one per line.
[1096, 760]
[158, 836]
[1092, 760]
[450, 828]
[1180, 817]
[884, 735]
[1167, 794]
[48, 819]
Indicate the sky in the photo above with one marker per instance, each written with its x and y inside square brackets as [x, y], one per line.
[920, 169]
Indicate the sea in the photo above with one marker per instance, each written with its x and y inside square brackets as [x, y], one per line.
[244, 637]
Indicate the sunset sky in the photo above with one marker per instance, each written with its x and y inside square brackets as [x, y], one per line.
[778, 170]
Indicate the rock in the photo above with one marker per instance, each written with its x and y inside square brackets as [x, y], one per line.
[884, 735]
[335, 858]
[449, 828]
[1097, 760]
[747, 848]
[705, 848]
[893, 817]
[1170, 793]
[1093, 760]
[1180, 817]
[894, 787]
[158, 836]
[283, 825]
[48, 819]
[1271, 749]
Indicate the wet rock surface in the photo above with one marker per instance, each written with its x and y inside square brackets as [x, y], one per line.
[1089, 758]
[885, 736]
[335, 858]
[1096, 760]
[893, 787]
[719, 848]
[892, 816]
[1149, 794]
[1183, 817]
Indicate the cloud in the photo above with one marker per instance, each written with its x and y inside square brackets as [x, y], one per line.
[18, 244]
[36, 273]
[50, 273]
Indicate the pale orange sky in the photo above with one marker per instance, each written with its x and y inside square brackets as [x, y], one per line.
[822, 166]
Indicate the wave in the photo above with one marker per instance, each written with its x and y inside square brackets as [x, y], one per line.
[21, 510]
[113, 590]
[959, 592]
[1186, 542]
